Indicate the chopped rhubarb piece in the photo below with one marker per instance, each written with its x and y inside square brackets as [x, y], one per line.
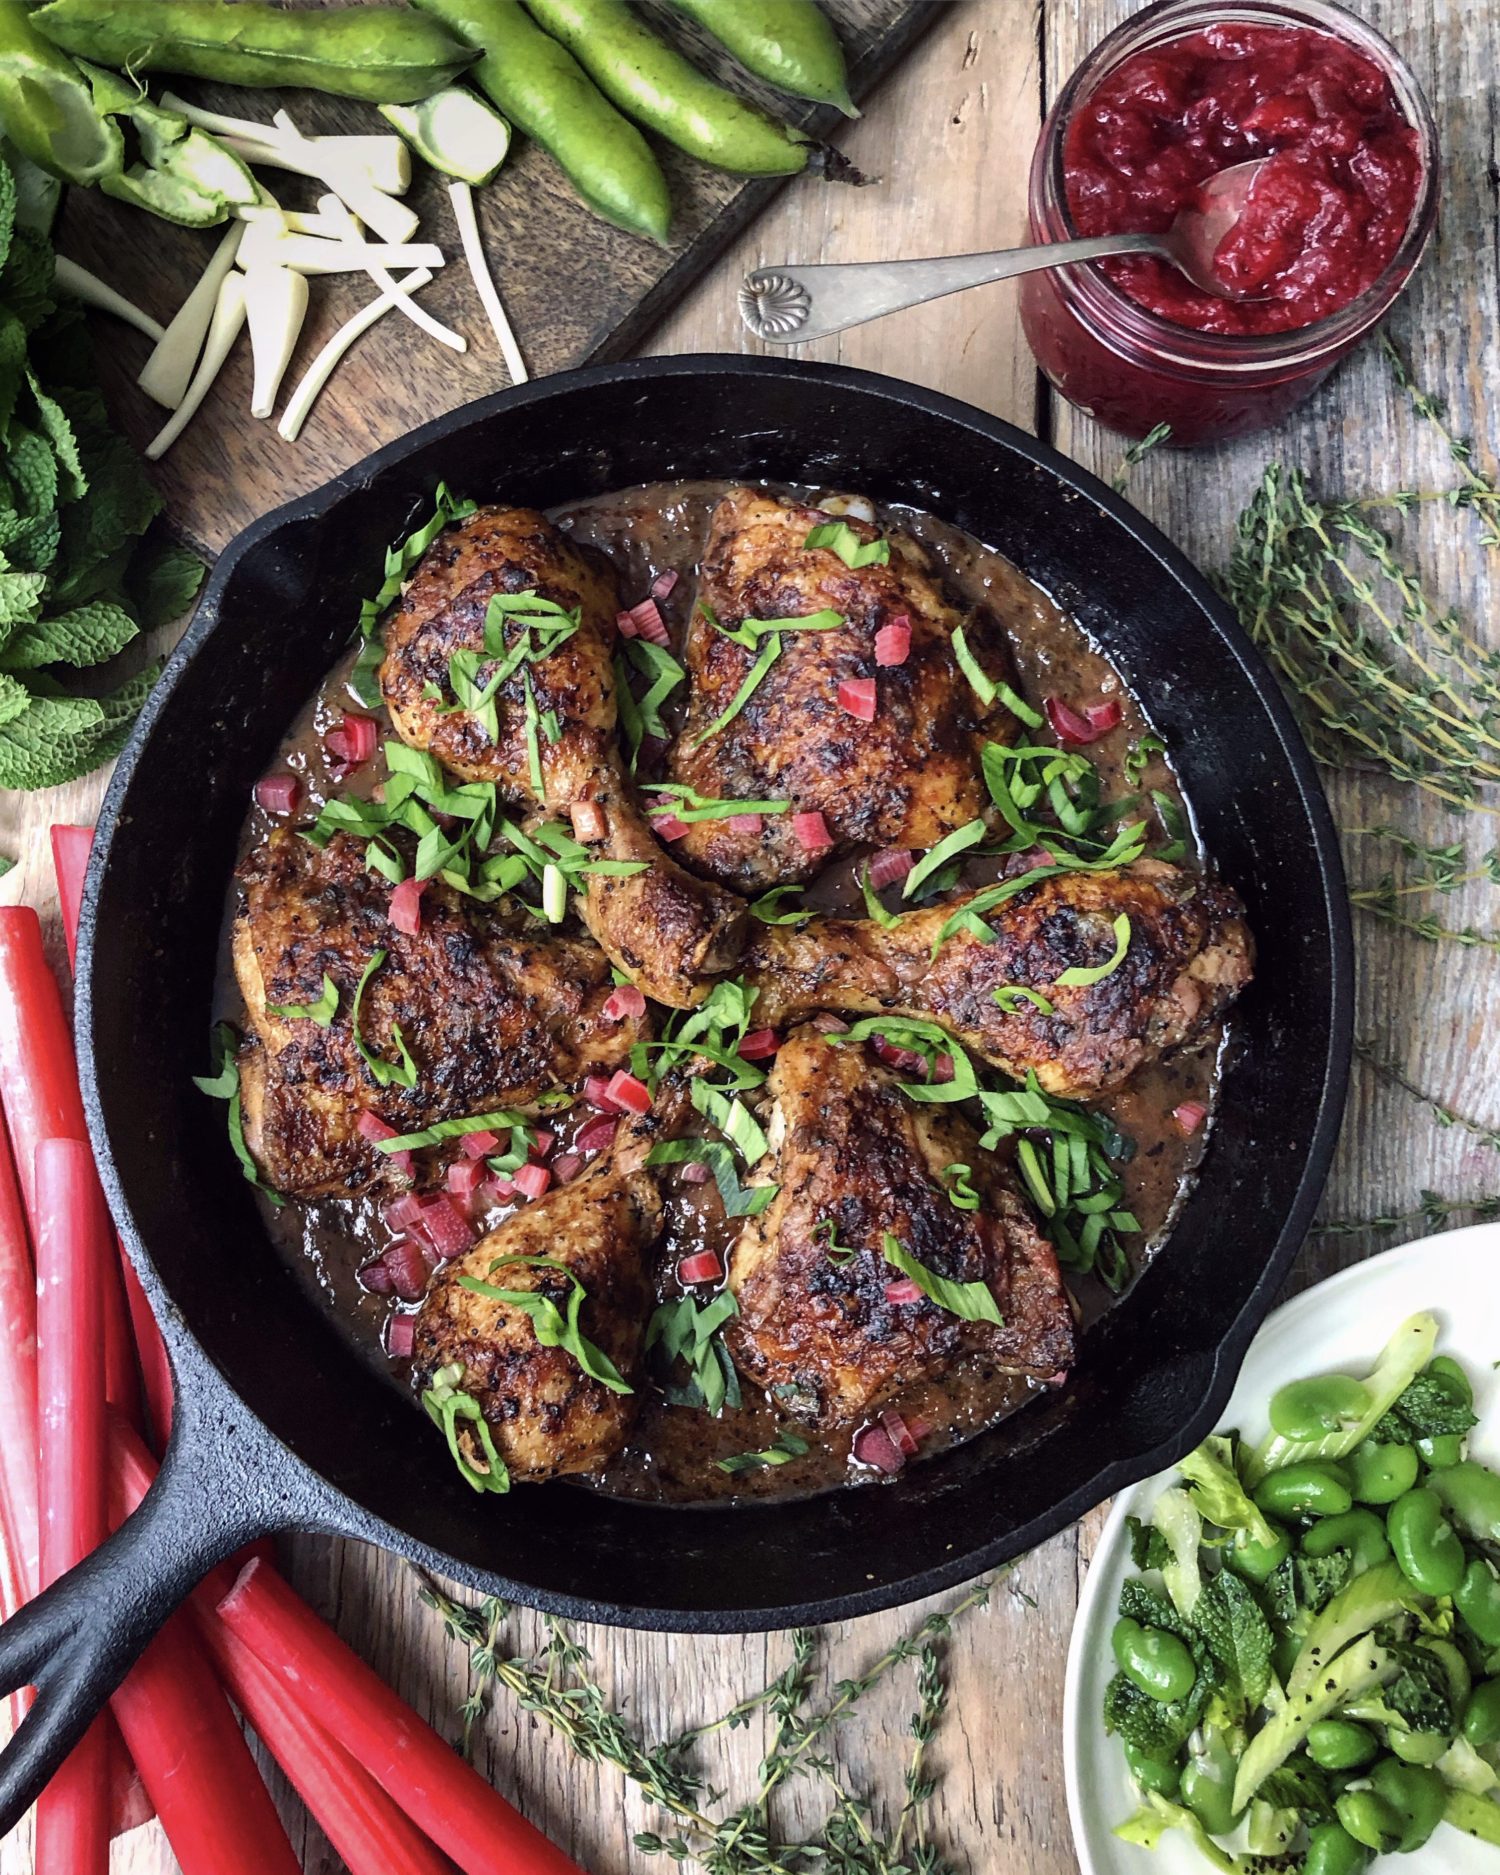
[541, 1145]
[759, 1044]
[623, 1004]
[465, 1176]
[856, 697]
[695, 1172]
[589, 821]
[893, 641]
[1073, 726]
[376, 1278]
[1104, 716]
[403, 1212]
[649, 624]
[748, 824]
[353, 741]
[901, 1060]
[827, 1023]
[702, 1267]
[369, 1125]
[532, 1180]
[811, 831]
[566, 1167]
[943, 1068]
[279, 793]
[401, 1337]
[668, 826]
[407, 1268]
[873, 1446]
[598, 1134]
[898, 1294]
[625, 624]
[405, 911]
[898, 1432]
[497, 1191]
[661, 586]
[449, 1230]
[596, 1093]
[1190, 1116]
[891, 864]
[627, 1093]
[478, 1145]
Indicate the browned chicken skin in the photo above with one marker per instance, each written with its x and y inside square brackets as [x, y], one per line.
[493, 1017]
[671, 932]
[547, 1417]
[1189, 956]
[852, 1152]
[906, 779]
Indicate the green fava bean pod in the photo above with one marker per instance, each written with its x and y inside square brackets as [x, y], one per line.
[1481, 1724]
[1430, 1556]
[543, 90]
[789, 43]
[1359, 1531]
[1341, 1745]
[653, 81]
[1155, 1661]
[47, 107]
[1304, 1491]
[1309, 1409]
[380, 53]
[1331, 1850]
[1417, 1795]
[1156, 1774]
[1370, 1820]
[1471, 1495]
[1379, 1474]
[1477, 1599]
[1258, 1562]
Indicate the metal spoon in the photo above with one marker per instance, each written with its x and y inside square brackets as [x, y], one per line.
[790, 305]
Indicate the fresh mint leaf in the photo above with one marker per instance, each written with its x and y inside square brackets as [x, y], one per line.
[90, 635]
[163, 581]
[1237, 1635]
[1427, 1409]
[1148, 1547]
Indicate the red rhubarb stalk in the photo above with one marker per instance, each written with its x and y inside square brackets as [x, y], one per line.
[72, 1244]
[440, 1793]
[19, 1530]
[71, 847]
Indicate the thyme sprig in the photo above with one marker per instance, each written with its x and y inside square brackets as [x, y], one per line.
[556, 1685]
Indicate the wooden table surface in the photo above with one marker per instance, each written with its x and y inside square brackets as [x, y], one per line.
[950, 137]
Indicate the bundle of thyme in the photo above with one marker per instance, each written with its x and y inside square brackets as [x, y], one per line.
[557, 1686]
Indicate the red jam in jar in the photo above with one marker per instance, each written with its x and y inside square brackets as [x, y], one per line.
[1332, 230]
[1327, 212]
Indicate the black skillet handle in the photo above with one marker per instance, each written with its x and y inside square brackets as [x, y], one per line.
[222, 1485]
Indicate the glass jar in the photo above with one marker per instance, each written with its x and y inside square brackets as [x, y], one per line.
[1131, 368]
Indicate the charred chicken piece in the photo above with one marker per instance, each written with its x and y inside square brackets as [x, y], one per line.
[905, 778]
[855, 1160]
[1188, 955]
[547, 1416]
[670, 932]
[491, 1016]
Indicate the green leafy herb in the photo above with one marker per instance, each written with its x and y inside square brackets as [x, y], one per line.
[828, 1232]
[1080, 976]
[841, 539]
[641, 717]
[7, 864]
[949, 847]
[1011, 996]
[1427, 1409]
[769, 652]
[766, 907]
[733, 1119]
[785, 1447]
[553, 1329]
[1138, 757]
[447, 1404]
[400, 562]
[224, 1084]
[988, 688]
[689, 1331]
[1126, 847]
[322, 1011]
[972, 1302]
[1148, 1547]
[690, 807]
[739, 1200]
[1237, 1635]
[384, 1073]
[764, 637]
[440, 1130]
[873, 907]
[961, 1193]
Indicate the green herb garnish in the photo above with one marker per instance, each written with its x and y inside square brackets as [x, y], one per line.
[400, 560]
[691, 807]
[739, 1200]
[935, 858]
[841, 539]
[1126, 847]
[689, 1331]
[972, 1302]
[765, 907]
[322, 1011]
[1080, 976]
[384, 1073]
[224, 1084]
[553, 1329]
[784, 1448]
[988, 688]
[764, 636]
[440, 1130]
[446, 1405]
[1011, 996]
[838, 1252]
[961, 1193]
[1138, 757]
[873, 907]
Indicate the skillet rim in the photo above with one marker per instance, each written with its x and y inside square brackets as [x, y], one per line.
[326, 1506]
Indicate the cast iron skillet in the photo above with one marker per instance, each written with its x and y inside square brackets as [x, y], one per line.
[281, 1424]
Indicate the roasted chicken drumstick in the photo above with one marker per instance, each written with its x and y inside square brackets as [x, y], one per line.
[826, 1320]
[1186, 955]
[905, 777]
[670, 932]
[491, 1016]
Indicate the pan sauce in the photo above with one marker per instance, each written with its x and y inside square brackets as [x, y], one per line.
[645, 532]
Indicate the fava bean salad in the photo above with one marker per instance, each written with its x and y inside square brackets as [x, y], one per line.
[1309, 1652]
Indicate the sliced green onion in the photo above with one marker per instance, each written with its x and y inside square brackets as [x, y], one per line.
[692, 807]
[1010, 997]
[949, 847]
[322, 1011]
[1080, 976]
[733, 1119]
[384, 1073]
[440, 1130]
[765, 907]
[551, 1327]
[446, 1404]
[961, 1193]
[873, 907]
[787, 1446]
[554, 893]
[841, 539]
[1036, 1181]
[971, 1302]
[740, 1200]
[224, 1084]
[769, 653]
[988, 688]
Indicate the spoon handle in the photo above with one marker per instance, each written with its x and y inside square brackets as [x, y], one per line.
[790, 305]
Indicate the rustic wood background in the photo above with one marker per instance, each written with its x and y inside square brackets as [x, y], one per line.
[949, 136]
